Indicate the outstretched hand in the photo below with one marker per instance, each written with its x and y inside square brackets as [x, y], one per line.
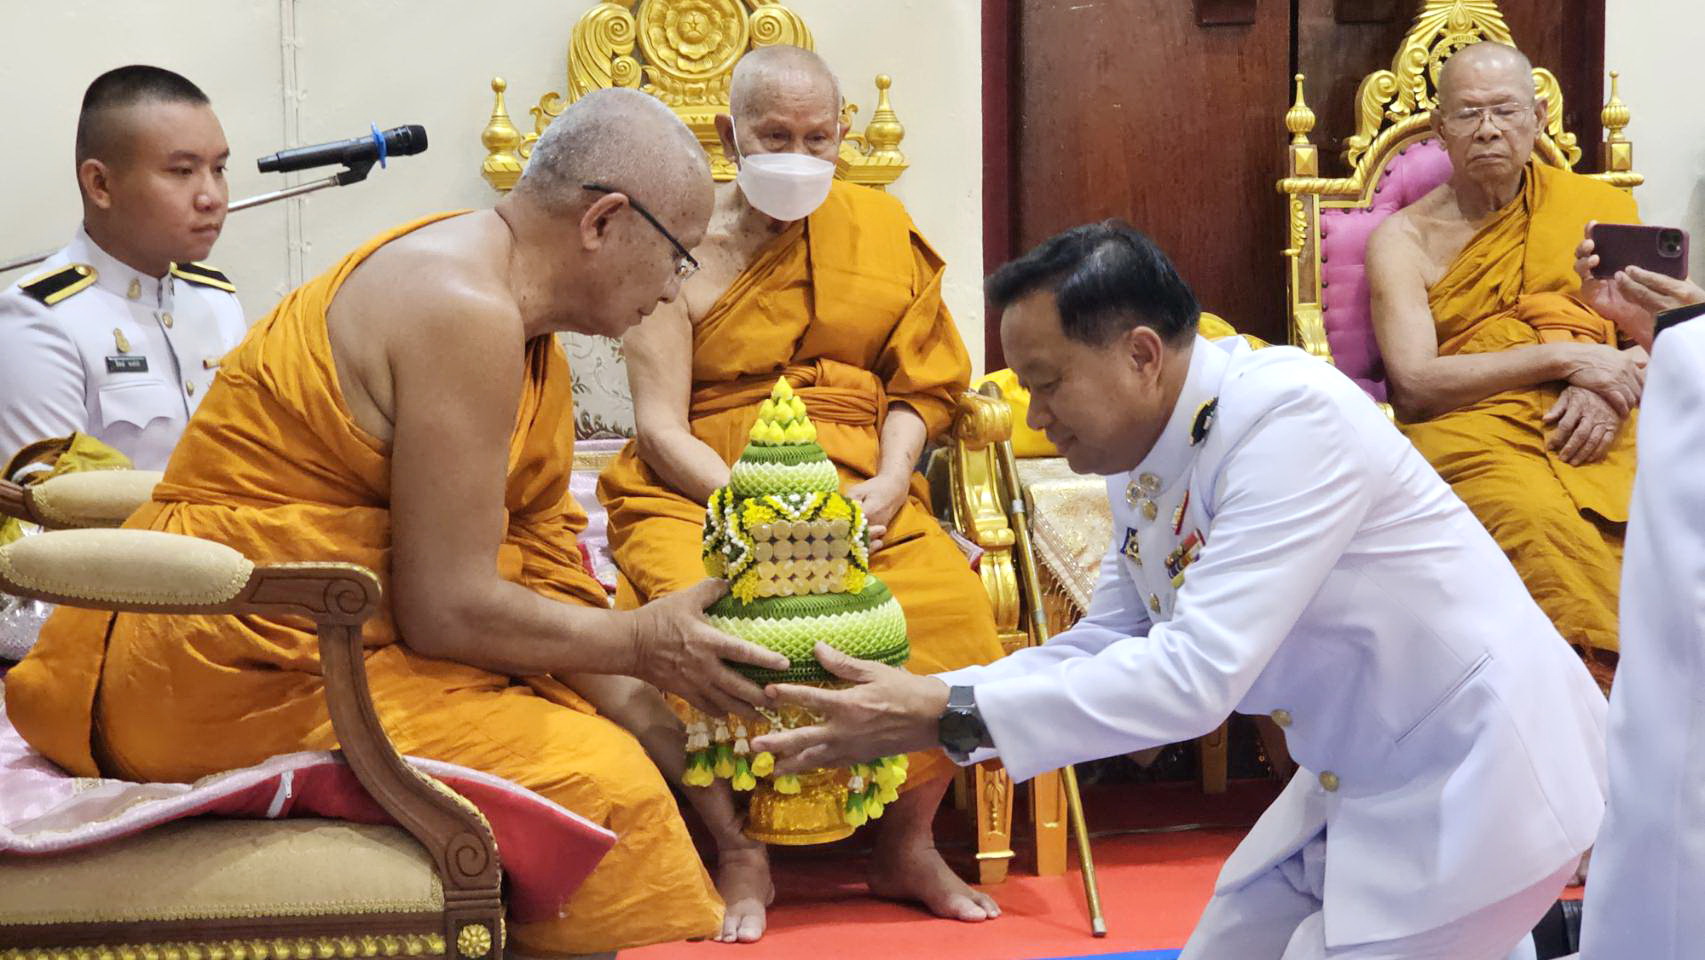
[887, 711]
[677, 651]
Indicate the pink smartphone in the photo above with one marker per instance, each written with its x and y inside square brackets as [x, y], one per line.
[1658, 249]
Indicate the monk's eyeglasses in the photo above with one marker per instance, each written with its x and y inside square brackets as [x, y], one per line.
[1505, 116]
[685, 265]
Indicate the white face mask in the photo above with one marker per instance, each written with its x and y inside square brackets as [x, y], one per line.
[786, 186]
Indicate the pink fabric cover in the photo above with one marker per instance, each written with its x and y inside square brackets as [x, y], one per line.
[547, 851]
[1345, 311]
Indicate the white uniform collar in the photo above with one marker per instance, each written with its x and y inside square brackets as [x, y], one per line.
[1173, 453]
[117, 277]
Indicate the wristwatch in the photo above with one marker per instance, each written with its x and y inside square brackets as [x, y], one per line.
[961, 728]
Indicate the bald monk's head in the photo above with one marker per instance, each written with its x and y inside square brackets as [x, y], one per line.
[782, 99]
[616, 193]
[1488, 115]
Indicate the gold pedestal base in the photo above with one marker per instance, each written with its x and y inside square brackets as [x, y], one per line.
[816, 814]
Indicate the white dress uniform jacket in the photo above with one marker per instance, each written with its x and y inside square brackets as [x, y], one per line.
[91, 345]
[1451, 743]
[1648, 871]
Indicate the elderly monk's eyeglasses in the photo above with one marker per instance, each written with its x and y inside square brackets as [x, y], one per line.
[1505, 116]
[685, 265]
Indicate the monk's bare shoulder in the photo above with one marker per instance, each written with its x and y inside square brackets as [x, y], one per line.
[439, 291]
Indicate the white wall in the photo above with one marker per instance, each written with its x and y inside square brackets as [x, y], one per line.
[430, 62]
[1656, 46]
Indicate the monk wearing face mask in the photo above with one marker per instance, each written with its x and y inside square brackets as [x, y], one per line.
[830, 285]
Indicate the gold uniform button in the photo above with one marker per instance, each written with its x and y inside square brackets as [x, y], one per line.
[166, 319]
[1329, 781]
[189, 387]
[1282, 717]
[1154, 603]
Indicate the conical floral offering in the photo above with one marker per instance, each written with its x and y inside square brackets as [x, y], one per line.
[796, 555]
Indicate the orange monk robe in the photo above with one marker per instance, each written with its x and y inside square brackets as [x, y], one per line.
[1561, 525]
[273, 465]
[847, 304]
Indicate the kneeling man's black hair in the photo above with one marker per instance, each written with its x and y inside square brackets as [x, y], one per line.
[1106, 278]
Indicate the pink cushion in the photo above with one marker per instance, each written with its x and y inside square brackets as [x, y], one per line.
[1345, 311]
[547, 851]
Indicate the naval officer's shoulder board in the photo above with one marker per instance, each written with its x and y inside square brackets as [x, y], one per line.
[203, 275]
[58, 285]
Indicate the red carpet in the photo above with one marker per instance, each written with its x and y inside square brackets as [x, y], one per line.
[1153, 886]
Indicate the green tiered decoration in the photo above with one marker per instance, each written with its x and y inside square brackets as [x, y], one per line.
[796, 554]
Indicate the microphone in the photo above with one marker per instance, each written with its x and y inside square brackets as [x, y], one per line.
[376, 147]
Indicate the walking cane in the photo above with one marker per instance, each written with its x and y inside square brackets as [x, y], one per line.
[1038, 628]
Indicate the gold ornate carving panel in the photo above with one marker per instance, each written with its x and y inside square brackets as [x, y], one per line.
[683, 52]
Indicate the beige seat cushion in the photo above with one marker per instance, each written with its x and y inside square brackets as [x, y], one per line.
[200, 869]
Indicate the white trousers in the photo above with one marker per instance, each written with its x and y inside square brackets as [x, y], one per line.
[1279, 916]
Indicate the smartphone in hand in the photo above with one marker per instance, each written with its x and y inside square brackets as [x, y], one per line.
[1621, 245]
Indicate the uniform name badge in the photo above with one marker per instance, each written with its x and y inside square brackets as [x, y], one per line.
[127, 364]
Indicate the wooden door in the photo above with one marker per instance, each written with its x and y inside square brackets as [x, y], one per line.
[1137, 109]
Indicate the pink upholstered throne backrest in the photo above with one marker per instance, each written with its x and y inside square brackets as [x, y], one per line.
[1345, 311]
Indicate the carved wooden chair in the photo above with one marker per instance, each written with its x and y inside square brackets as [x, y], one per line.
[208, 889]
[1394, 161]
[669, 48]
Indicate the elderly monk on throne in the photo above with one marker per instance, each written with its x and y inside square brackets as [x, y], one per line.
[1501, 371]
[830, 285]
[411, 411]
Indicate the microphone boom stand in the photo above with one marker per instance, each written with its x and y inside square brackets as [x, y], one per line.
[353, 173]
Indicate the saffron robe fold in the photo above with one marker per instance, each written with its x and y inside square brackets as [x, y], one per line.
[274, 466]
[1514, 285]
[847, 305]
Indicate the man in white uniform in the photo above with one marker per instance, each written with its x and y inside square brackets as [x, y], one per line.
[119, 334]
[1648, 877]
[1278, 548]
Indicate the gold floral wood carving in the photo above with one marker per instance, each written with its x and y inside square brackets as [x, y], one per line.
[1393, 111]
[683, 52]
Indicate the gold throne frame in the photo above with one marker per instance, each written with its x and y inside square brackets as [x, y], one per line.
[683, 52]
[1394, 110]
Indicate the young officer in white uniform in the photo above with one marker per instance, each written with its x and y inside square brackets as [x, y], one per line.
[1279, 548]
[119, 334]
[1648, 869]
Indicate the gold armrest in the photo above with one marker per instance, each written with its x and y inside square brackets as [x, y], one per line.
[92, 498]
[166, 573]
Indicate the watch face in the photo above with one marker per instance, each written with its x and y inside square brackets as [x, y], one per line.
[960, 732]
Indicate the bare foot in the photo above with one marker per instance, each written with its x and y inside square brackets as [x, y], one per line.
[916, 873]
[743, 880]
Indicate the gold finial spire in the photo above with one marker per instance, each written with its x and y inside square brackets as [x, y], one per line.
[502, 166]
[1615, 114]
[884, 132]
[1299, 119]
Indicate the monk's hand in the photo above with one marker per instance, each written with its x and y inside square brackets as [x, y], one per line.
[881, 497]
[1584, 426]
[677, 651]
[887, 711]
[1618, 376]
